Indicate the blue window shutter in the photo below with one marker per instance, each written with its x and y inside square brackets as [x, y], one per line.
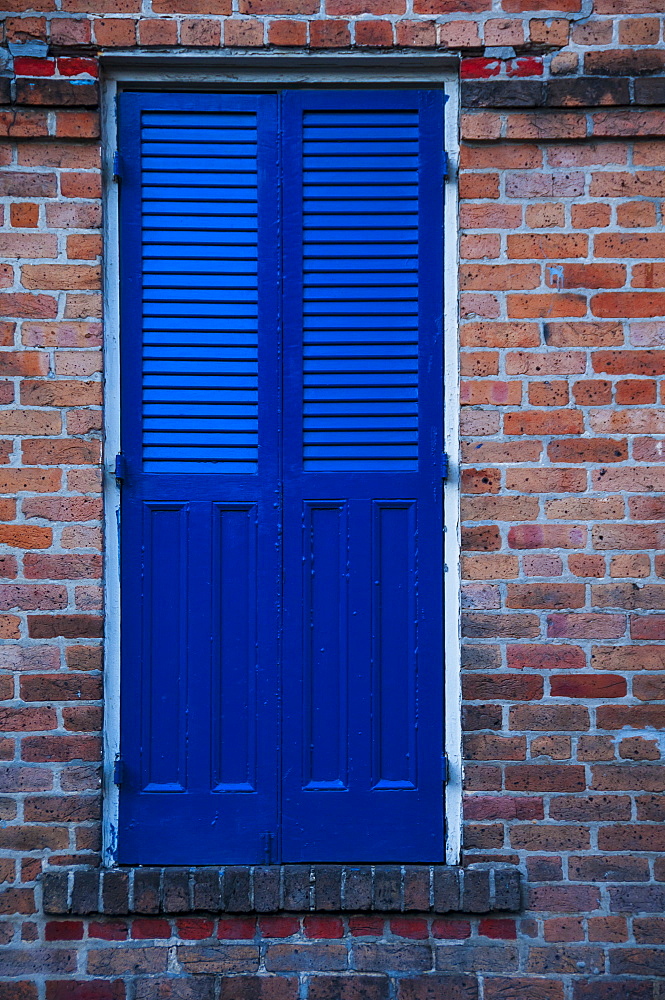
[281, 535]
[363, 355]
[199, 526]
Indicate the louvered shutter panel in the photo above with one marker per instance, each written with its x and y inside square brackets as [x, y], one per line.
[199, 526]
[363, 671]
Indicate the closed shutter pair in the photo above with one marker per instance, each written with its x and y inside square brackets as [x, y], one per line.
[281, 513]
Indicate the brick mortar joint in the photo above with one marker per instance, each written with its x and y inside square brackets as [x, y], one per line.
[480, 888]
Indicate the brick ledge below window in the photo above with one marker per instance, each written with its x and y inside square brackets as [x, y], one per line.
[479, 888]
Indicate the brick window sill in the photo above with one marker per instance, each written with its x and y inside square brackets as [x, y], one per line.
[480, 888]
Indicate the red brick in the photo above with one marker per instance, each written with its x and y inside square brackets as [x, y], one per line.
[279, 926]
[324, 927]
[496, 277]
[538, 422]
[263, 7]
[90, 989]
[592, 392]
[586, 334]
[409, 927]
[157, 31]
[150, 927]
[329, 34]
[194, 928]
[544, 306]
[459, 34]
[545, 595]
[547, 245]
[417, 34]
[586, 626]
[243, 33]
[200, 32]
[474, 68]
[69, 626]
[236, 928]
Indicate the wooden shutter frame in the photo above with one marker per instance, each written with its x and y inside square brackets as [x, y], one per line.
[127, 71]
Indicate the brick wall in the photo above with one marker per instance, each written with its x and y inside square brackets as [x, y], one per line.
[562, 339]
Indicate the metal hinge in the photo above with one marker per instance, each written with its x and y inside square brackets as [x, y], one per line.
[444, 767]
[445, 164]
[444, 466]
[119, 469]
[117, 167]
[118, 769]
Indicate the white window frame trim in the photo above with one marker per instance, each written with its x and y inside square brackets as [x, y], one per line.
[230, 71]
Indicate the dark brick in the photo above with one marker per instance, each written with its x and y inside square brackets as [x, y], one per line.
[327, 887]
[194, 988]
[477, 717]
[297, 887]
[219, 958]
[475, 896]
[585, 92]
[495, 958]
[503, 94]
[507, 889]
[206, 890]
[175, 891]
[85, 892]
[236, 892]
[91, 989]
[446, 889]
[24, 961]
[146, 890]
[115, 892]
[650, 90]
[5, 91]
[416, 887]
[405, 956]
[530, 988]
[481, 657]
[352, 987]
[637, 899]
[258, 988]
[438, 987]
[637, 61]
[387, 887]
[323, 956]
[357, 888]
[56, 93]
[608, 868]
[267, 889]
[55, 892]
[638, 961]
[613, 989]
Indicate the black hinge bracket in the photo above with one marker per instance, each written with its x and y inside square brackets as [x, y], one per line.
[444, 466]
[444, 164]
[117, 770]
[117, 167]
[119, 469]
[444, 767]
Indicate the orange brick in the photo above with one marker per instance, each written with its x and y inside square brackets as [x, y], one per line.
[112, 32]
[24, 215]
[284, 32]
